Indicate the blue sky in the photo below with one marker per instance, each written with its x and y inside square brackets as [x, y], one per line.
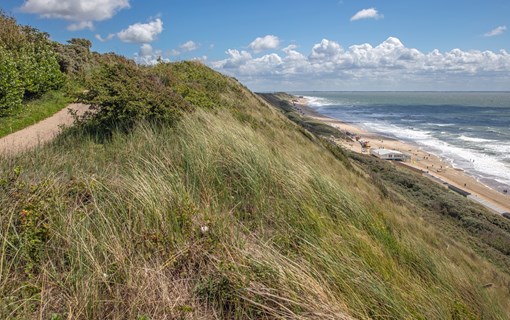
[298, 44]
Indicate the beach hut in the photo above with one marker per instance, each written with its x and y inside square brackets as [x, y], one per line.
[388, 154]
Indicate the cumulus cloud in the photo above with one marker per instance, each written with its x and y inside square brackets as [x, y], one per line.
[107, 38]
[235, 59]
[148, 56]
[83, 13]
[141, 32]
[370, 13]
[173, 52]
[80, 26]
[496, 31]
[289, 48]
[264, 43]
[326, 51]
[188, 46]
[388, 65]
[145, 50]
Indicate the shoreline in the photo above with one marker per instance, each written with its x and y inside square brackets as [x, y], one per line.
[430, 165]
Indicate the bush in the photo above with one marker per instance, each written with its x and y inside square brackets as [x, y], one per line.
[75, 57]
[123, 93]
[11, 88]
[28, 65]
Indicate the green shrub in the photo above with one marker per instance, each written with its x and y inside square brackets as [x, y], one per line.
[28, 65]
[123, 94]
[11, 87]
[39, 70]
[75, 57]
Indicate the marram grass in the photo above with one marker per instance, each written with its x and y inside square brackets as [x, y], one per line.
[220, 218]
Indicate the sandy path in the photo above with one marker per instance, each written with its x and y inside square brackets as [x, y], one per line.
[41, 132]
[420, 159]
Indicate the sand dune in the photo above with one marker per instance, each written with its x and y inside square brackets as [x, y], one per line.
[420, 159]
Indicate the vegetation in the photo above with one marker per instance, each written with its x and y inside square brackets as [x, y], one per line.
[283, 100]
[460, 218]
[485, 232]
[123, 94]
[227, 211]
[33, 111]
[28, 65]
[187, 196]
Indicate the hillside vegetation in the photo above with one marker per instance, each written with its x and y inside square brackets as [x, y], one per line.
[29, 66]
[228, 210]
[186, 196]
[37, 75]
[458, 217]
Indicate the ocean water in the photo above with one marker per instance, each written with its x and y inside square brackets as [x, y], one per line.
[471, 130]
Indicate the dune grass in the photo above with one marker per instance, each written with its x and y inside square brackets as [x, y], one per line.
[32, 112]
[231, 214]
[457, 217]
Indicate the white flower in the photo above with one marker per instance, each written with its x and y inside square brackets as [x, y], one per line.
[204, 229]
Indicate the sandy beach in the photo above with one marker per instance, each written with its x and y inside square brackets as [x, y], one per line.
[420, 159]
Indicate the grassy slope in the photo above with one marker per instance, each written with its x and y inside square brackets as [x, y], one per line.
[33, 112]
[113, 229]
[458, 217]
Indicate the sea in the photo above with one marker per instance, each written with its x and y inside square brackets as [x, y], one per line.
[471, 130]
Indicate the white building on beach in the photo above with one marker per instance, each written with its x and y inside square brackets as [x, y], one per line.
[388, 154]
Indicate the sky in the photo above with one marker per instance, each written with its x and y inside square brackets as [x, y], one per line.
[296, 45]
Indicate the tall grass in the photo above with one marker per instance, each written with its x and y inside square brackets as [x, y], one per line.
[231, 214]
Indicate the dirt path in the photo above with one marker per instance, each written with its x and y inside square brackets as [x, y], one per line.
[41, 132]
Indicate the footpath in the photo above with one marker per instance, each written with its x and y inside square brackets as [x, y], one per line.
[40, 132]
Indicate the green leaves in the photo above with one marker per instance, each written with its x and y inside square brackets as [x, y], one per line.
[11, 87]
[28, 65]
[124, 93]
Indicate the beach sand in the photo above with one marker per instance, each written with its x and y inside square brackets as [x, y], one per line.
[420, 159]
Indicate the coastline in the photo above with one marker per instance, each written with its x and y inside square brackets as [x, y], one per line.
[437, 169]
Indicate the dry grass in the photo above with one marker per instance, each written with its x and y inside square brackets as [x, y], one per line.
[116, 230]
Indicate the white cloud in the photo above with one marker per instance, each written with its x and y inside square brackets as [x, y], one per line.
[80, 26]
[496, 31]
[264, 43]
[173, 52]
[326, 50]
[202, 59]
[188, 46]
[79, 11]
[183, 48]
[235, 60]
[145, 50]
[148, 56]
[370, 13]
[388, 66]
[141, 32]
[107, 38]
[290, 48]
